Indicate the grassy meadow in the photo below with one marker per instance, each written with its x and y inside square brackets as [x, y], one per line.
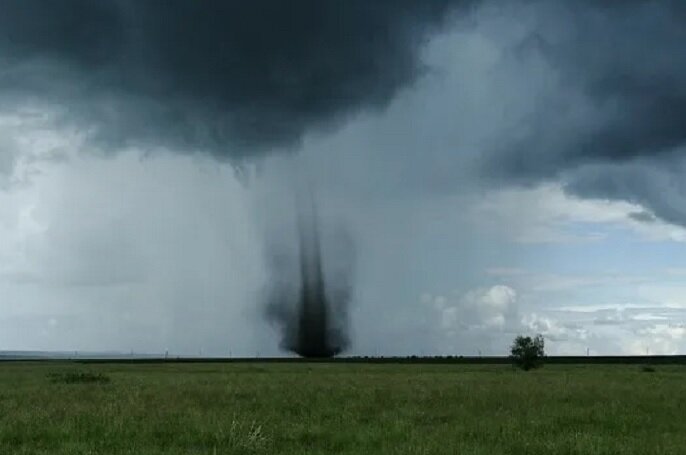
[298, 408]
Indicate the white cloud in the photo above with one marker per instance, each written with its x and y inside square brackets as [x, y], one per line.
[669, 331]
[553, 329]
[660, 339]
[480, 309]
[490, 317]
[595, 307]
[615, 329]
[481, 320]
[546, 214]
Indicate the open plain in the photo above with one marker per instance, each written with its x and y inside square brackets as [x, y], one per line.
[325, 408]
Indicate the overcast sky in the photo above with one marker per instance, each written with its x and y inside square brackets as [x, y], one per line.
[497, 168]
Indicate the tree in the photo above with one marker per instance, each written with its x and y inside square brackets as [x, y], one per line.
[527, 352]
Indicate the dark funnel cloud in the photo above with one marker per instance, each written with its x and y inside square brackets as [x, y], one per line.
[307, 300]
[234, 78]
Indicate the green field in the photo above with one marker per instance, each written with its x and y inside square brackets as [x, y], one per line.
[301, 408]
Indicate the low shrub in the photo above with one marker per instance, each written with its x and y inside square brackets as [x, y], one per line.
[528, 353]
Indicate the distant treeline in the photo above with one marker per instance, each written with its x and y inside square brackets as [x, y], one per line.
[470, 360]
[653, 360]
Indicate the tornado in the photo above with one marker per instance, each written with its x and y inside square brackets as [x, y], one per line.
[308, 305]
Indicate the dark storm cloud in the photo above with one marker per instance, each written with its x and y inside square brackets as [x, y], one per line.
[238, 78]
[625, 62]
[231, 77]
[614, 123]
[656, 185]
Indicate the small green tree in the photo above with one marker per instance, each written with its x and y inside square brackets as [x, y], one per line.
[527, 352]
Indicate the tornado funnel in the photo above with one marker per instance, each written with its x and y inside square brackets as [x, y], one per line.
[311, 310]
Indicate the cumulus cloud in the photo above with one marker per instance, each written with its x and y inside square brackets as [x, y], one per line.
[477, 319]
[485, 320]
[665, 338]
[553, 329]
[626, 329]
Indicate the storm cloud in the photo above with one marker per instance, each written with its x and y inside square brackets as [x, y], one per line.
[603, 105]
[606, 89]
[449, 137]
[617, 87]
[232, 78]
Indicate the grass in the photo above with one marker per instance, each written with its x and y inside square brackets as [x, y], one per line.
[78, 377]
[340, 409]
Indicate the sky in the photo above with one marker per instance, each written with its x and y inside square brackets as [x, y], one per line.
[482, 169]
